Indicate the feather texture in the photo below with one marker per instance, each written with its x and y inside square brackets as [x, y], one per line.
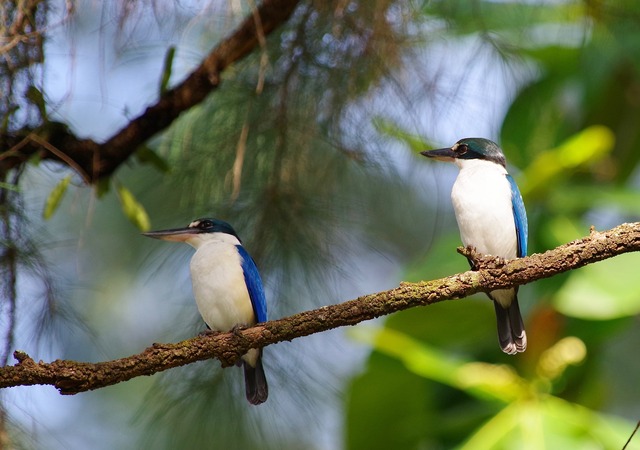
[491, 217]
[228, 291]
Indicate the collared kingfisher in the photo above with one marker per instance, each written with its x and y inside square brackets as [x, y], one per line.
[491, 217]
[227, 287]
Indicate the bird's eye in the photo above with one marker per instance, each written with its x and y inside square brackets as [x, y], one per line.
[205, 224]
[462, 149]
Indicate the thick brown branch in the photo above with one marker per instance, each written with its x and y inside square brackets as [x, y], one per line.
[71, 377]
[97, 160]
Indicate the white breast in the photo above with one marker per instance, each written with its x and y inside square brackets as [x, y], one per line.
[481, 199]
[219, 286]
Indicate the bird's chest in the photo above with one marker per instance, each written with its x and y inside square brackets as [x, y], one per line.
[481, 198]
[219, 287]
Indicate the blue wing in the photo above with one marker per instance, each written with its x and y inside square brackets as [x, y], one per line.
[254, 285]
[520, 217]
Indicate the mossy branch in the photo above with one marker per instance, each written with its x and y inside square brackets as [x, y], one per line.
[71, 377]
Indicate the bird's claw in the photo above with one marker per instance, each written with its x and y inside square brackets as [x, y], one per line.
[208, 332]
[472, 256]
[237, 330]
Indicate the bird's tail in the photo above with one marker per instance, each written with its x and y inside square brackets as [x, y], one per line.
[255, 382]
[511, 334]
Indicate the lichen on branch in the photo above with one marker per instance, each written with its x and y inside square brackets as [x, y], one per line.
[71, 377]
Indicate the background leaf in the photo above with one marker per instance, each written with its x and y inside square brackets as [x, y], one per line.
[134, 210]
[55, 197]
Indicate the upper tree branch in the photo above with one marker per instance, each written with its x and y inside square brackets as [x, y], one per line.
[71, 377]
[96, 160]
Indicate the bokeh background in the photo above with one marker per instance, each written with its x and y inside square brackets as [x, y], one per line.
[310, 149]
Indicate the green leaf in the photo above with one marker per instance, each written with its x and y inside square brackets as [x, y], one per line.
[386, 127]
[55, 197]
[398, 415]
[35, 96]
[102, 186]
[9, 186]
[134, 211]
[535, 121]
[146, 155]
[548, 423]
[479, 379]
[166, 69]
[585, 197]
[512, 20]
[604, 291]
[586, 147]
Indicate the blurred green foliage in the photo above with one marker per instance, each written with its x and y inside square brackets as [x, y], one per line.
[573, 131]
[309, 147]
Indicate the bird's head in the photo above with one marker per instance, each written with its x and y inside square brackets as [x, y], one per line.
[198, 232]
[469, 148]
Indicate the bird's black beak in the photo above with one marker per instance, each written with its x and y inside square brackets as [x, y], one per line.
[441, 154]
[175, 234]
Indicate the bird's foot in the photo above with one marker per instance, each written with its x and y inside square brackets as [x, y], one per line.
[472, 256]
[478, 260]
[208, 332]
[238, 329]
[237, 332]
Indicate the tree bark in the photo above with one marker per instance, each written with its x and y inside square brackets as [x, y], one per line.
[94, 161]
[71, 377]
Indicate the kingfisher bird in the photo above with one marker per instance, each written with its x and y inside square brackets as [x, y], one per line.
[492, 218]
[227, 288]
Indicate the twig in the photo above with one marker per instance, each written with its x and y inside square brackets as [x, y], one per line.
[102, 159]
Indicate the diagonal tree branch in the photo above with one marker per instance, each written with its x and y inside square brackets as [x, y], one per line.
[71, 377]
[93, 160]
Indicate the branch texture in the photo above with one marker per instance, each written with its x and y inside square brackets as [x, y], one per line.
[93, 160]
[71, 377]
